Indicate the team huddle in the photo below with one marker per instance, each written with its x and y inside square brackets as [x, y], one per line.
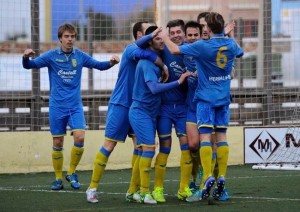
[178, 77]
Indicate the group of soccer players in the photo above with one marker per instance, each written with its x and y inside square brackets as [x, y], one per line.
[177, 78]
[196, 108]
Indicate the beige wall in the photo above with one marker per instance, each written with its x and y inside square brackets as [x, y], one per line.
[24, 152]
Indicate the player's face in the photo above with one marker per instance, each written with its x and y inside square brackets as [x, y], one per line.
[205, 34]
[157, 44]
[192, 34]
[67, 40]
[176, 35]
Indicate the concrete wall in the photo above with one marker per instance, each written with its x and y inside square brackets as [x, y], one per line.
[25, 152]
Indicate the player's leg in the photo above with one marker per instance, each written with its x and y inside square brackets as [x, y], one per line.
[205, 117]
[117, 128]
[144, 128]
[77, 124]
[185, 158]
[164, 131]
[58, 123]
[222, 121]
[193, 141]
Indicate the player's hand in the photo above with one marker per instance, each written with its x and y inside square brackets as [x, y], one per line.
[165, 74]
[114, 60]
[28, 53]
[195, 73]
[156, 32]
[183, 77]
[229, 29]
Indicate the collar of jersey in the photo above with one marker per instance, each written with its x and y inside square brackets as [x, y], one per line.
[60, 51]
[218, 36]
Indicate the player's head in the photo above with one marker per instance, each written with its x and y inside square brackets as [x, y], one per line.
[156, 44]
[66, 27]
[176, 31]
[67, 35]
[139, 29]
[215, 23]
[201, 20]
[192, 31]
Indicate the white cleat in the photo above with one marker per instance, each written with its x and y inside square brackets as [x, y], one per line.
[91, 195]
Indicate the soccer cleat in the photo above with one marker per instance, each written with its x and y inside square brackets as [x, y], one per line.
[158, 195]
[91, 195]
[182, 195]
[208, 184]
[218, 191]
[136, 197]
[196, 197]
[224, 196]
[193, 187]
[129, 197]
[57, 185]
[73, 180]
[147, 198]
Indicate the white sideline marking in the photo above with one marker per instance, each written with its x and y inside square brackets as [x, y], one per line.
[114, 193]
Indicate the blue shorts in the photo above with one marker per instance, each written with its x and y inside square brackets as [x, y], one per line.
[171, 114]
[117, 123]
[144, 127]
[59, 118]
[212, 117]
[191, 117]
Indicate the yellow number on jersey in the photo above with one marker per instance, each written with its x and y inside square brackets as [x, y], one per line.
[221, 58]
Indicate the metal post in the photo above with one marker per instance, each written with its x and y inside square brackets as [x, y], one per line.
[36, 90]
[267, 62]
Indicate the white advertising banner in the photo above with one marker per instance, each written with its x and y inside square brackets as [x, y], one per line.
[277, 144]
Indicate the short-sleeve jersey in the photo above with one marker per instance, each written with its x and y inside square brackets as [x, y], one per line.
[65, 72]
[176, 67]
[214, 60]
[142, 96]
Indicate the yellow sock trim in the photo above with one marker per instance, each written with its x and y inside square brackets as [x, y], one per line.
[206, 158]
[186, 167]
[57, 162]
[145, 168]
[76, 154]
[135, 176]
[160, 169]
[222, 157]
[99, 167]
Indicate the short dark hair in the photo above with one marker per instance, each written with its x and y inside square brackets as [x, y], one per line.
[66, 27]
[175, 23]
[202, 15]
[150, 29]
[215, 22]
[138, 26]
[193, 24]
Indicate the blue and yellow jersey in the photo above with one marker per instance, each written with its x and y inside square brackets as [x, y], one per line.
[176, 67]
[122, 93]
[142, 96]
[214, 60]
[65, 72]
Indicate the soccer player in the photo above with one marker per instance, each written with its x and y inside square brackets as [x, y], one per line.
[173, 112]
[214, 65]
[144, 110]
[205, 36]
[65, 104]
[193, 32]
[117, 121]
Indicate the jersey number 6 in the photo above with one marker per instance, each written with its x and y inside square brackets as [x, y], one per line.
[221, 58]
